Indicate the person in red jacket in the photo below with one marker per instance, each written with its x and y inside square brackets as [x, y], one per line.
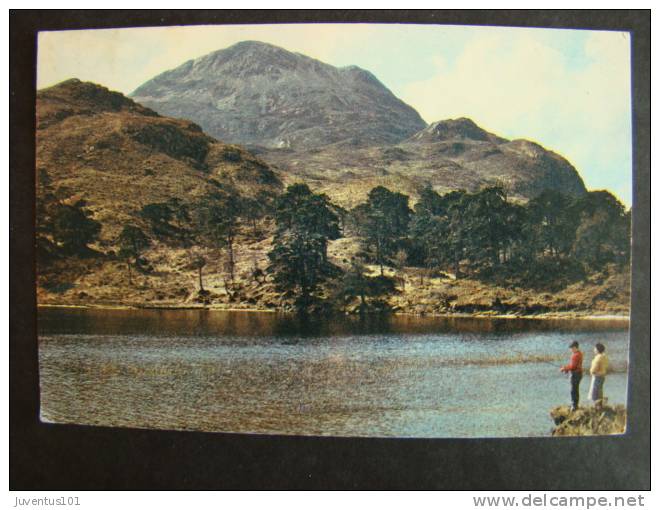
[574, 369]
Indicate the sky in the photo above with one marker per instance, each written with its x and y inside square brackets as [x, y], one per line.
[568, 90]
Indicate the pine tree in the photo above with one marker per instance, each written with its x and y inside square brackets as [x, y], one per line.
[356, 283]
[198, 262]
[383, 223]
[217, 217]
[132, 242]
[298, 261]
[73, 228]
[603, 234]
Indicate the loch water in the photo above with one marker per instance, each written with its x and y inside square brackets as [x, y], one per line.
[253, 372]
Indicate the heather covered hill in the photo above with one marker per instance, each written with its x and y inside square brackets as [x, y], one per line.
[118, 156]
[259, 94]
[138, 209]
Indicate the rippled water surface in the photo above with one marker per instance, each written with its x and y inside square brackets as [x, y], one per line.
[260, 372]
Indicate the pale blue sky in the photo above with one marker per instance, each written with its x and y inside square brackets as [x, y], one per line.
[568, 90]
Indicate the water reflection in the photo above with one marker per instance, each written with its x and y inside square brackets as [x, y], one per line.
[221, 323]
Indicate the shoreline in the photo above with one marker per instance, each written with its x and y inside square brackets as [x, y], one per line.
[576, 315]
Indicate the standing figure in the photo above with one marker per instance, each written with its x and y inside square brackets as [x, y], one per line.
[574, 369]
[598, 371]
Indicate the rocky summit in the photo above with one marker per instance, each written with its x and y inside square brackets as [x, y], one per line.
[254, 93]
[454, 130]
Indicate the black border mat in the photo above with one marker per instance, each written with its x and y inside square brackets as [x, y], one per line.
[47, 457]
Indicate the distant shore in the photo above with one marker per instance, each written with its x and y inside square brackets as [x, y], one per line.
[477, 315]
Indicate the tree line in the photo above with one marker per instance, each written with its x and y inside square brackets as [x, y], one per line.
[549, 241]
[486, 235]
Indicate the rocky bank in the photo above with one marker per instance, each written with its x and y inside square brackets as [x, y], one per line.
[589, 421]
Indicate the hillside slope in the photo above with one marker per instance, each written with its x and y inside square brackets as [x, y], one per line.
[447, 155]
[118, 156]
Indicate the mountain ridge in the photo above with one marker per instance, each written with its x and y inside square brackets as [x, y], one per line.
[443, 156]
[331, 126]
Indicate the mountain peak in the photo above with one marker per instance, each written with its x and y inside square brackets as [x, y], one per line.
[259, 94]
[255, 44]
[461, 128]
[252, 45]
[249, 49]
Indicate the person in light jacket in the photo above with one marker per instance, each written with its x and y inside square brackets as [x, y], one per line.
[598, 371]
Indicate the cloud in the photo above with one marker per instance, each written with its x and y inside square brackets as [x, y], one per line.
[573, 99]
